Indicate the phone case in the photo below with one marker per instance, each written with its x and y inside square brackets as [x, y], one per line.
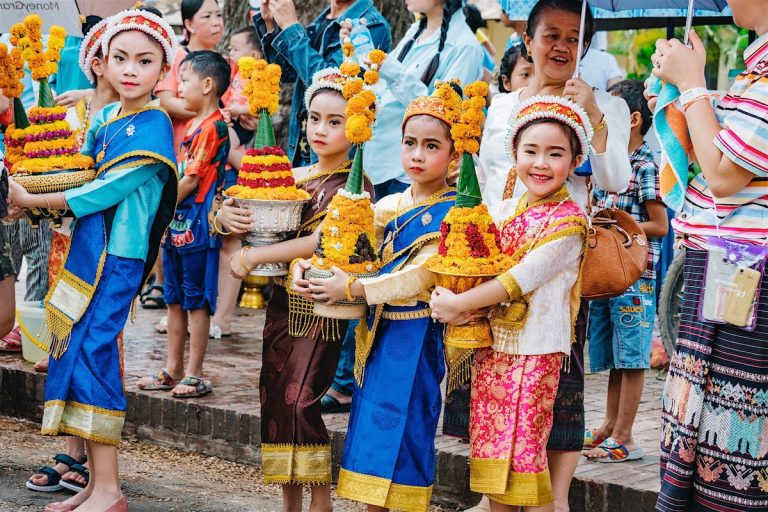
[741, 300]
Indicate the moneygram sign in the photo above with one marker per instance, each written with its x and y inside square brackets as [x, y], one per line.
[53, 12]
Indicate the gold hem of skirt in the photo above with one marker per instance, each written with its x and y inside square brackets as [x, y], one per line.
[296, 464]
[493, 478]
[382, 492]
[82, 420]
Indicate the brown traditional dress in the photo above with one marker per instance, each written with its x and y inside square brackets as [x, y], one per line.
[300, 355]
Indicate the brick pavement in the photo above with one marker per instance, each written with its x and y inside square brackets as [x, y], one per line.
[226, 423]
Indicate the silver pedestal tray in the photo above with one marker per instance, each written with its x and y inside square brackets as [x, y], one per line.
[274, 221]
[342, 310]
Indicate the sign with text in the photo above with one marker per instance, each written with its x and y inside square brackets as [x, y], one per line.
[53, 12]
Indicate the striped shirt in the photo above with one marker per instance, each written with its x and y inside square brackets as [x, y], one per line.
[743, 114]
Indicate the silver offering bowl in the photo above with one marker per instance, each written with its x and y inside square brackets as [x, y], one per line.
[274, 221]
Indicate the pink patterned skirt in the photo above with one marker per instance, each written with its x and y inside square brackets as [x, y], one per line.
[510, 420]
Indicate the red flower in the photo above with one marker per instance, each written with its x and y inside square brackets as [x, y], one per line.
[477, 247]
[496, 235]
[442, 250]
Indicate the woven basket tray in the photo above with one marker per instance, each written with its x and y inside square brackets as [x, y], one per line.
[55, 182]
[342, 310]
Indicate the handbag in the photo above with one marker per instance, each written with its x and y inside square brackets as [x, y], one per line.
[617, 255]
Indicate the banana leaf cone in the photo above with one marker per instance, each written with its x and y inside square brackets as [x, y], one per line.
[468, 188]
[265, 132]
[45, 95]
[355, 179]
[20, 119]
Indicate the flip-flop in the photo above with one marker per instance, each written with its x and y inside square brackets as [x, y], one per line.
[202, 387]
[54, 477]
[12, 341]
[329, 405]
[72, 485]
[617, 452]
[592, 439]
[161, 381]
[152, 301]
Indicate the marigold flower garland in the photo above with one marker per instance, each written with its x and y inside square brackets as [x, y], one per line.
[11, 71]
[467, 130]
[27, 37]
[361, 101]
[263, 87]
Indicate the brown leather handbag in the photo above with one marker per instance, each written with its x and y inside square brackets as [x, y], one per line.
[617, 256]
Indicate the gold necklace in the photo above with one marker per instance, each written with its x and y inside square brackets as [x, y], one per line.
[388, 247]
[129, 132]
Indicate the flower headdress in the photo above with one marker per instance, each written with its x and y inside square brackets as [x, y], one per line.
[90, 46]
[328, 78]
[550, 107]
[154, 26]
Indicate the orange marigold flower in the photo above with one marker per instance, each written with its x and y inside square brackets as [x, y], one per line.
[371, 77]
[352, 87]
[377, 57]
[349, 68]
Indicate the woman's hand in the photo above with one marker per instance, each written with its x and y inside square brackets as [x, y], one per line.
[651, 97]
[283, 12]
[266, 15]
[679, 65]
[70, 98]
[249, 122]
[234, 219]
[301, 285]
[331, 290]
[582, 94]
[346, 30]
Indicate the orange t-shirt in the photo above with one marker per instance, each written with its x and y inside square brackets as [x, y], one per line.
[172, 82]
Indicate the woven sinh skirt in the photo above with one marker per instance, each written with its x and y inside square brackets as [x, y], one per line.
[714, 437]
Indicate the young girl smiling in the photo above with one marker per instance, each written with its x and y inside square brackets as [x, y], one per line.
[515, 381]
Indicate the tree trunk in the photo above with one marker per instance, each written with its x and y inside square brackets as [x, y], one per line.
[235, 14]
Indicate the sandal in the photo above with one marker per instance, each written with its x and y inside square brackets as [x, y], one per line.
[202, 387]
[329, 405]
[617, 452]
[54, 477]
[216, 333]
[161, 381]
[152, 301]
[592, 439]
[12, 341]
[71, 484]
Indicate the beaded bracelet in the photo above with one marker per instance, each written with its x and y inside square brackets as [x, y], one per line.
[348, 290]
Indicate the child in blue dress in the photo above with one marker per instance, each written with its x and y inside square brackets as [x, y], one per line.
[120, 218]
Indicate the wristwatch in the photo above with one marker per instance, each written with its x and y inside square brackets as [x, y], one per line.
[692, 95]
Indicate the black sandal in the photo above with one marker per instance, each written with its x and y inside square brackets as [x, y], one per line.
[72, 485]
[151, 301]
[54, 477]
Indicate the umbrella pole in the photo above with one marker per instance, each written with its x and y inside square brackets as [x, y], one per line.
[688, 22]
[581, 37]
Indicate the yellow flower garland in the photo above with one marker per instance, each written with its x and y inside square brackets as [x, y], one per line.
[466, 131]
[11, 71]
[361, 101]
[263, 87]
[27, 37]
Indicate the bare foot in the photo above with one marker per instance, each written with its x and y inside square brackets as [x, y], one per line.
[42, 366]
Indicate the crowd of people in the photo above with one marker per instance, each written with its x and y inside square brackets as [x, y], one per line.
[555, 145]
